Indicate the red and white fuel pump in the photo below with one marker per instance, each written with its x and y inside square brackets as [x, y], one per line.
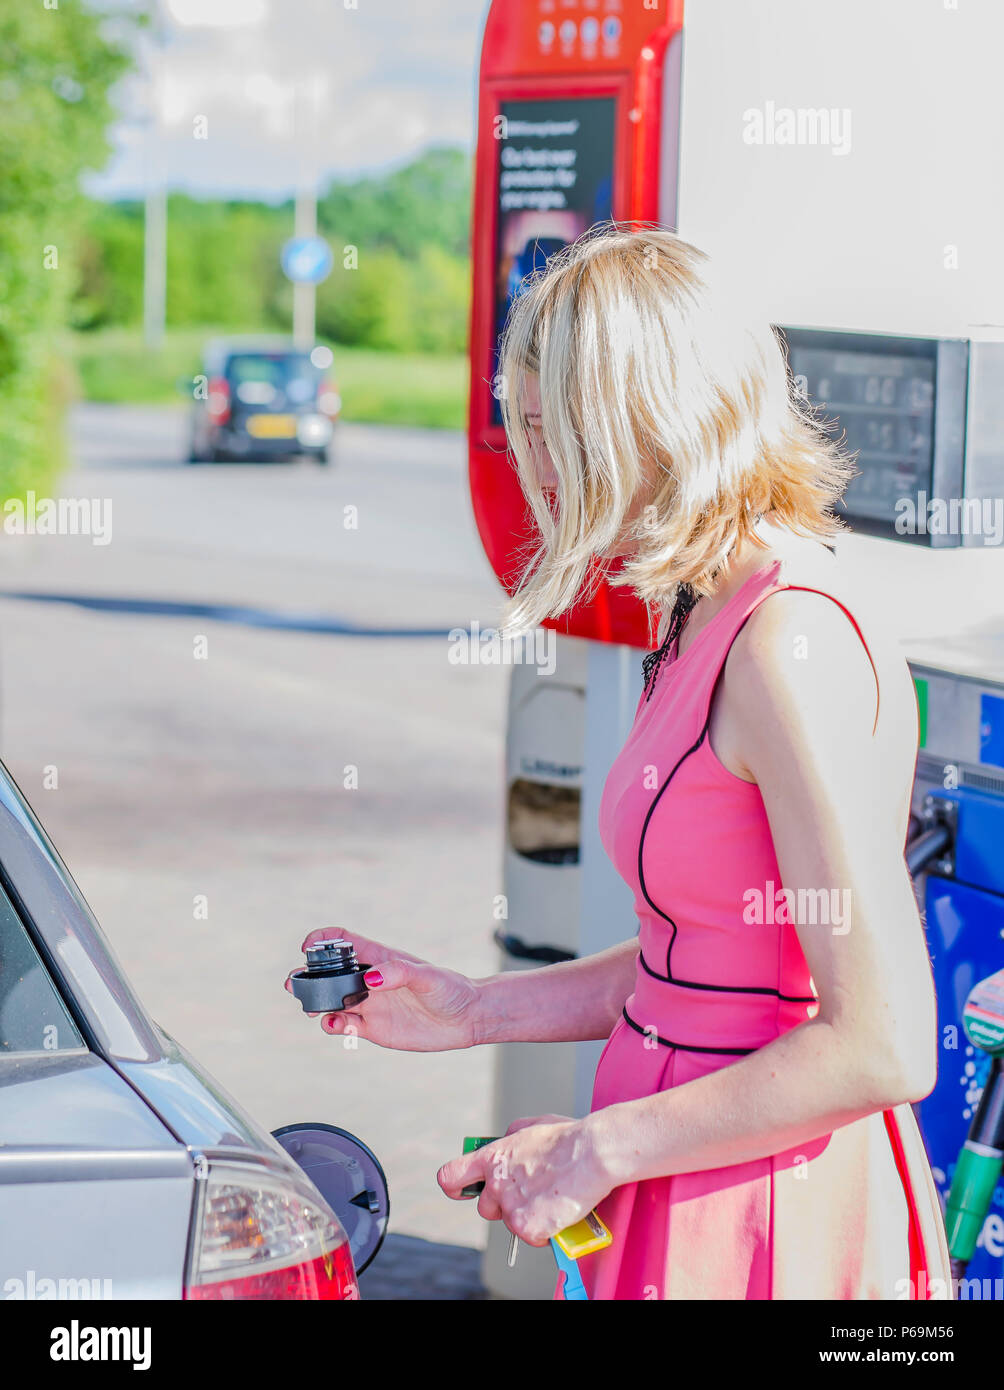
[578, 122]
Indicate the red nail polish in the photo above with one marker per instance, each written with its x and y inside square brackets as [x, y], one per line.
[373, 979]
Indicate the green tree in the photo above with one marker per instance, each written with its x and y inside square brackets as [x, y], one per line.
[109, 286]
[407, 292]
[57, 67]
[223, 262]
[440, 300]
[367, 305]
[425, 202]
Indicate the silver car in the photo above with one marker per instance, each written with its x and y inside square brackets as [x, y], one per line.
[125, 1170]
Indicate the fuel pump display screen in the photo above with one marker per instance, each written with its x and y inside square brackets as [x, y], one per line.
[556, 165]
[885, 405]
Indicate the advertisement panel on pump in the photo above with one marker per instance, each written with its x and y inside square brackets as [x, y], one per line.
[578, 114]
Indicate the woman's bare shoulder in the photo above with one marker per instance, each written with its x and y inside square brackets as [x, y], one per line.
[819, 568]
[808, 566]
[803, 631]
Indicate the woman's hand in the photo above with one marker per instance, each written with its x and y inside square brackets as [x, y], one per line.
[412, 1006]
[539, 1120]
[544, 1175]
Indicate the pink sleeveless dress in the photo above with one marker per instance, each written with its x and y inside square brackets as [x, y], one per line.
[853, 1215]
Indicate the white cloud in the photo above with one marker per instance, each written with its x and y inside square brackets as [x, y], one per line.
[227, 14]
[393, 77]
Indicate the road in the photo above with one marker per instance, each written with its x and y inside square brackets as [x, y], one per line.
[286, 780]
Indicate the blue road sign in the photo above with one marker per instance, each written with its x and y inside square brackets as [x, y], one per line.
[306, 260]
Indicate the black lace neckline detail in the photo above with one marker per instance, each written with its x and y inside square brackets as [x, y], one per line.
[651, 664]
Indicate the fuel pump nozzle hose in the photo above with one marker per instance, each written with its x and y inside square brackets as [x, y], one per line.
[928, 845]
[982, 1156]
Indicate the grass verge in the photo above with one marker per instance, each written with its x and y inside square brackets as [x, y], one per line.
[388, 388]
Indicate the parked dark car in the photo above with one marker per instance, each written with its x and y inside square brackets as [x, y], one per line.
[263, 399]
[126, 1171]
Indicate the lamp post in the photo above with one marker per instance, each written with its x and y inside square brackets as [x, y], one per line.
[309, 97]
[155, 195]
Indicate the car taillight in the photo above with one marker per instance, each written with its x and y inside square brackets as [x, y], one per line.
[218, 400]
[263, 1235]
[329, 402]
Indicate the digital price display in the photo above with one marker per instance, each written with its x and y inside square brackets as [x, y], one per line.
[880, 395]
[556, 164]
[886, 408]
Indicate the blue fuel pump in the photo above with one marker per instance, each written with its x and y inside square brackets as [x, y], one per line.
[963, 899]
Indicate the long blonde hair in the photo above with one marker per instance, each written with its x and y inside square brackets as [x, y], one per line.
[652, 376]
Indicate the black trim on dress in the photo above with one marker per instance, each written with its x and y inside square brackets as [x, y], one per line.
[669, 978]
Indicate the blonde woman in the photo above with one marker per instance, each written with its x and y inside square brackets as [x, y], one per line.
[750, 1133]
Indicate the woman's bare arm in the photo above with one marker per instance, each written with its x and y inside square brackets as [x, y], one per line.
[415, 1006]
[571, 1001]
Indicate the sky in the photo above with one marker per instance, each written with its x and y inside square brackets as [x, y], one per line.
[246, 98]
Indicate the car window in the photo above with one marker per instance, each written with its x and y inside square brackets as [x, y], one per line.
[277, 368]
[259, 378]
[33, 1018]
